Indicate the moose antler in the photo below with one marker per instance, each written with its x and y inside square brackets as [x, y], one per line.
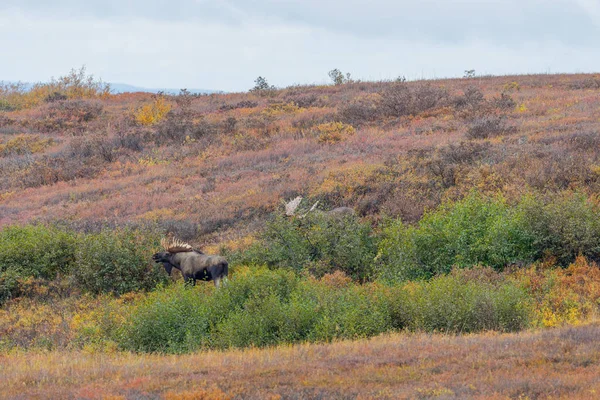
[174, 245]
[292, 206]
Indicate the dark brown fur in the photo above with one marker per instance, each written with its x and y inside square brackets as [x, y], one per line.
[195, 265]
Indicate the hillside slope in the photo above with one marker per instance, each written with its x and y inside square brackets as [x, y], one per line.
[219, 164]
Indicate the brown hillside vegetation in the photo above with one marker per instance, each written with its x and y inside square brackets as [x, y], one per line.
[561, 363]
[220, 163]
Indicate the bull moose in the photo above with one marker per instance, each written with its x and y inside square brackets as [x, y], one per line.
[193, 264]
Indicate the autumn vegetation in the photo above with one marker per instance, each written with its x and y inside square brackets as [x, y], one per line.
[477, 219]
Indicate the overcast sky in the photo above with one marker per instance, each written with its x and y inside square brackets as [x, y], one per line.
[226, 44]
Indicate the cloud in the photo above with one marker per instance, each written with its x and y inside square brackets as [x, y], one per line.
[505, 22]
[226, 44]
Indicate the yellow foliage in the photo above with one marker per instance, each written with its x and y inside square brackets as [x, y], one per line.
[347, 180]
[7, 195]
[522, 108]
[334, 132]
[24, 144]
[150, 114]
[158, 214]
[277, 109]
[152, 160]
[511, 86]
[75, 85]
[563, 296]
[199, 394]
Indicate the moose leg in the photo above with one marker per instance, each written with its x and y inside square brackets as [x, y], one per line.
[217, 282]
[189, 280]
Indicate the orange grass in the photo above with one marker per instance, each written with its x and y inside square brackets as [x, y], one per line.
[560, 363]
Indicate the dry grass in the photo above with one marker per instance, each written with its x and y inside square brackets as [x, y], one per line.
[561, 363]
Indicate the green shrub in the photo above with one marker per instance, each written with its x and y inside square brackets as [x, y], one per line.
[349, 313]
[476, 230]
[172, 320]
[451, 304]
[564, 227]
[37, 251]
[320, 243]
[264, 307]
[117, 261]
[177, 320]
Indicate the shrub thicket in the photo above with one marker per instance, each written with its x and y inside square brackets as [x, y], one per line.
[320, 243]
[262, 307]
[563, 227]
[488, 231]
[474, 231]
[117, 262]
[33, 251]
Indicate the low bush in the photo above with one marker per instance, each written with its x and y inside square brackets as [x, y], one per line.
[488, 231]
[563, 227]
[489, 126]
[561, 295]
[34, 251]
[240, 104]
[262, 307]
[48, 170]
[504, 102]
[320, 243]
[471, 100]
[446, 163]
[476, 230]
[24, 144]
[180, 128]
[152, 113]
[361, 111]
[109, 261]
[117, 261]
[334, 132]
[71, 115]
[401, 99]
[451, 303]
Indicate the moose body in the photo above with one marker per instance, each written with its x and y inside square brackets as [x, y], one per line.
[341, 211]
[194, 265]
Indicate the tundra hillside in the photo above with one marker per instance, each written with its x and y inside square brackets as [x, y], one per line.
[214, 167]
[472, 206]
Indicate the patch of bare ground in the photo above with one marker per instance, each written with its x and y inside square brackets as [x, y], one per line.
[561, 363]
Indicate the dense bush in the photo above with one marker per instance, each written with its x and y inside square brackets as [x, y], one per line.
[60, 167]
[33, 251]
[179, 127]
[402, 99]
[320, 243]
[488, 231]
[474, 231]
[563, 227]
[489, 126]
[447, 163]
[70, 115]
[451, 303]
[117, 261]
[360, 111]
[262, 307]
[114, 261]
